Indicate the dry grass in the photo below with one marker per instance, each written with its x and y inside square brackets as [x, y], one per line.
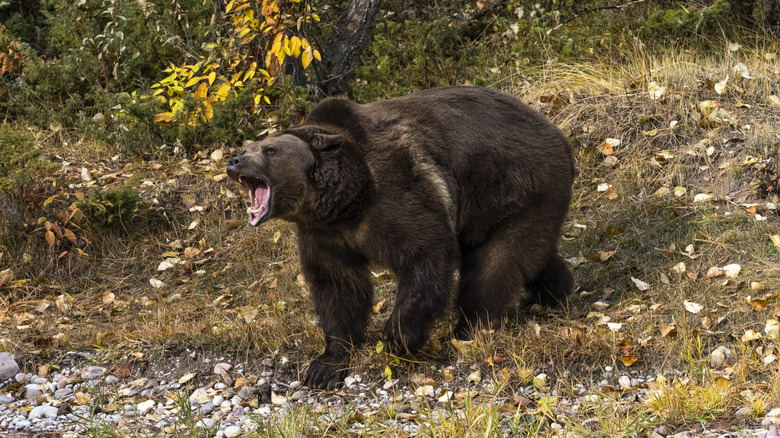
[240, 293]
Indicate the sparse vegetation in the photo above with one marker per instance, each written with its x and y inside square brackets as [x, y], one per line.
[672, 107]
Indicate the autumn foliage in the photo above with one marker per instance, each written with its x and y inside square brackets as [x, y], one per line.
[260, 38]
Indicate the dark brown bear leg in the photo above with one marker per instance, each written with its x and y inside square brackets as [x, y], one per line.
[424, 290]
[553, 284]
[340, 287]
[494, 272]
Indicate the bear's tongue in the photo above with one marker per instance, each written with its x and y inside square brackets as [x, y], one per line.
[258, 194]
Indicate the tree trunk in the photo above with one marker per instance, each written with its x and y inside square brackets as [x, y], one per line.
[343, 52]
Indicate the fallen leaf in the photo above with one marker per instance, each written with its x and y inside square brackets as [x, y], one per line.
[774, 100]
[720, 87]
[378, 306]
[607, 146]
[679, 268]
[702, 197]
[475, 377]
[186, 378]
[540, 382]
[692, 307]
[641, 285]
[775, 238]
[750, 336]
[655, 91]
[679, 192]
[669, 330]
[614, 326]
[714, 272]
[732, 270]
[772, 328]
[463, 347]
[742, 70]
[628, 360]
[155, 283]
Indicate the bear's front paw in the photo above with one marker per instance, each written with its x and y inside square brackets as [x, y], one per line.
[325, 372]
[408, 339]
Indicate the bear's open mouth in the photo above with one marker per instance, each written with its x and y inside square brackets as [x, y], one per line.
[259, 195]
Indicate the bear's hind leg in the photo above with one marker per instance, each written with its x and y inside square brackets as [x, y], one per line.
[553, 283]
[517, 253]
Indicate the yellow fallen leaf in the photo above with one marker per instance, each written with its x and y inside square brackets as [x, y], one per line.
[628, 360]
[775, 238]
[750, 335]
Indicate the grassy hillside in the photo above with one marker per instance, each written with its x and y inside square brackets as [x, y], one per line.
[131, 243]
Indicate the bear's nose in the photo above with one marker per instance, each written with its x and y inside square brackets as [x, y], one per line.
[235, 161]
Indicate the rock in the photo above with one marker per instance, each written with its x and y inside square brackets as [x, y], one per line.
[23, 424]
[222, 366]
[5, 399]
[232, 432]
[32, 392]
[297, 395]
[8, 366]
[425, 390]
[248, 393]
[349, 381]
[98, 117]
[42, 412]
[206, 423]
[111, 380]
[264, 393]
[62, 393]
[207, 408]
[217, 400]
[93, 372]
[236, 400]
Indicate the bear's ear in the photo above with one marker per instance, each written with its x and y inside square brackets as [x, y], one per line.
[327, 143]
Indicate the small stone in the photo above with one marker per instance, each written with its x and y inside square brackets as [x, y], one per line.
[298, 395]
[248, 392]
[31, 391]
[62, 393]
[93, 373]
[389, 384]
[232, 432]
[5, 399]
[42, 412]
[207, 408]
[98, 117]
[295, 384]
[8, 366]
[625, 382]
[222, 366]
[236, 400]
[217, 400]
[264, 393]
[220, 386]
[111, 380]
[23, 424]
[206, 423]
[349, 381]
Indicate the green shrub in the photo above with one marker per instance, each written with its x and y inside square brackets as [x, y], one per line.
[110, 208]
[20, 161]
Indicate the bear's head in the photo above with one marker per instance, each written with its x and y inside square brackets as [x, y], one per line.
[303, 176]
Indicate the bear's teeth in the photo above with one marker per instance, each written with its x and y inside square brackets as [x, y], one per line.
[250, 210]
[240, 178]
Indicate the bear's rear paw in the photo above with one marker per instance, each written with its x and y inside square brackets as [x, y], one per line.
[410, 339]
[325, 372]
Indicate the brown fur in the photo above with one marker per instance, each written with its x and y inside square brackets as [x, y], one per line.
[444, 180]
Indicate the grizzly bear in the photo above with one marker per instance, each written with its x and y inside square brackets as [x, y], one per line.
[443, 181]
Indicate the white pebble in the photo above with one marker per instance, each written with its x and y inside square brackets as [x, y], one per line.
[232, 431]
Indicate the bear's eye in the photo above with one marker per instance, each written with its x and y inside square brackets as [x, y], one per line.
[270, 151]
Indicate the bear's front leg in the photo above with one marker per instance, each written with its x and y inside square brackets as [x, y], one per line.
[424, 288]
[340, 287]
